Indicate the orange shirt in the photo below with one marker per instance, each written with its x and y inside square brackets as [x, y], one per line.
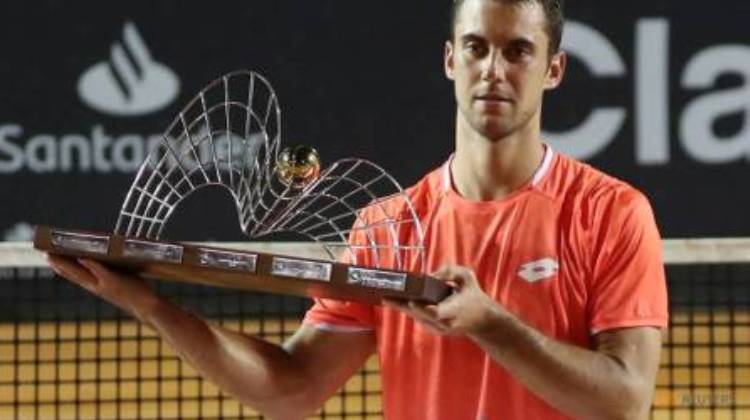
[572, 253]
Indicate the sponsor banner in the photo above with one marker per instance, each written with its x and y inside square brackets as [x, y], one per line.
[656, 94]
[130, 82]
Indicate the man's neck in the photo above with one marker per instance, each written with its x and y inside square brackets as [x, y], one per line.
[484, 170]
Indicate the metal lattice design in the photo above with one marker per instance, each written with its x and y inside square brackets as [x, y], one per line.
[229, 136]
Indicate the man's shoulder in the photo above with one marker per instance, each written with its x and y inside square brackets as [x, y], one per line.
[413, 199]
[573, 177]
[594, 199]
[429, 186]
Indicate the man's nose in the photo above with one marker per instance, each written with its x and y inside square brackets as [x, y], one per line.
[494, 67]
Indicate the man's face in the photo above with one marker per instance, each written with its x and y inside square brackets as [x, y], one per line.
[500, 64]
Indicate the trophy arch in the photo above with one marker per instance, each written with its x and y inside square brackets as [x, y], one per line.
[229, 136]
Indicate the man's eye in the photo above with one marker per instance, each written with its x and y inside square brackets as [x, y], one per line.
[519, 53]
[475, 48]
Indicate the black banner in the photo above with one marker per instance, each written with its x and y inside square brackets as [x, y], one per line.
[656, 94]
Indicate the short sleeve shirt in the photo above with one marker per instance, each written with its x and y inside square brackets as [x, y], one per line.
[573, 253]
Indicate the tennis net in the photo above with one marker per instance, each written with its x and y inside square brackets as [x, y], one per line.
[67, 355]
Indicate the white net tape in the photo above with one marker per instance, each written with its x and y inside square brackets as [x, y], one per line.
[676, 251]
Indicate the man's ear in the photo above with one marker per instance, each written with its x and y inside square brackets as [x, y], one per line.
[448, 60]
[556, 70]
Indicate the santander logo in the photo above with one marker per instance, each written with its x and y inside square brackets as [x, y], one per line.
[131, 82]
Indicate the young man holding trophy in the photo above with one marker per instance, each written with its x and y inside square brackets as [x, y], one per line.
[559, 297]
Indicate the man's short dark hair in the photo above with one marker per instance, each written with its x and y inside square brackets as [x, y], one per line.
[553, 11]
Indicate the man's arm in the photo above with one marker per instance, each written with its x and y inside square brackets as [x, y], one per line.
[615, 380]
[282, 382]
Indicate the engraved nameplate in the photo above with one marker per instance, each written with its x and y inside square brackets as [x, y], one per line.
[377, 279]
[309, 270]
[152, 251]
[227, 260]
[81, 242]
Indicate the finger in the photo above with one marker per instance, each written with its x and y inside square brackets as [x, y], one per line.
[427, 314]
[456, 276]
[96, 268]
[435, 327]
[427, 311]
[115, 285]
[67, 268]
[113, 278]
[429, 323]
[448, 273]
[400, 305]
[447, 310]
[421, 317]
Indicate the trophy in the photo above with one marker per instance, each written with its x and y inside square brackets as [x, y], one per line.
[229, 136]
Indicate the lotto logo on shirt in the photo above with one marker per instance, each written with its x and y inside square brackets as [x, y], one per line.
[536, 271]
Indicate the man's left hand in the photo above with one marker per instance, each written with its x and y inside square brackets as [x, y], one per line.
[465, 312]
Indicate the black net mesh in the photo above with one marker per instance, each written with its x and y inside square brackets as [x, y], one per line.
[67, 355]
[705, 369]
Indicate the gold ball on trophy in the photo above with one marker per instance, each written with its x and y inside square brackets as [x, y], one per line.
[298, 166]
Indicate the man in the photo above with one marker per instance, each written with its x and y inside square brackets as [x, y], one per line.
[559, 286]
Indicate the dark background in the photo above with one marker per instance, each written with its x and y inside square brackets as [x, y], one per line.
[355, 78]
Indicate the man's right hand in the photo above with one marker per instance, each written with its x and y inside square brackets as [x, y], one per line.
[131, 294]
[280, 382]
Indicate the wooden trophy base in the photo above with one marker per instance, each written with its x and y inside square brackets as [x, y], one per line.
[240, 269]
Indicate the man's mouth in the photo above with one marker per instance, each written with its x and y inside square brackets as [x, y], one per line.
[493, 98]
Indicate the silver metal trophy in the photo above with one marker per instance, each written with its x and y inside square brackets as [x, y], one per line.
[229, 136]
